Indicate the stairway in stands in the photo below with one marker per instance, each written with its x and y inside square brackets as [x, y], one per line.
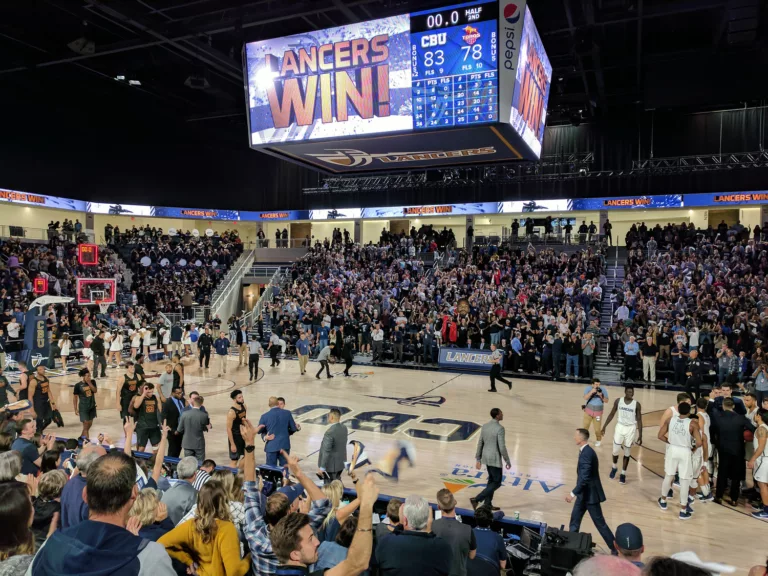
[606, 370]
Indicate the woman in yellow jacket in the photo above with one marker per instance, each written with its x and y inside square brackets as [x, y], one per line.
[209, 541]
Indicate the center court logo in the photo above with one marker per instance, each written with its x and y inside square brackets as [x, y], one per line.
[350, 158]
[512, 13]
[466, 476]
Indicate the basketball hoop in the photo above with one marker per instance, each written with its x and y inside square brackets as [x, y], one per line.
[103, 306]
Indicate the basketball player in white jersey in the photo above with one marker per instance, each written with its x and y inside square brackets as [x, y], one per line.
[701, 456]
[759, 463]
[668, 413]
[682, 435]
[628, 427]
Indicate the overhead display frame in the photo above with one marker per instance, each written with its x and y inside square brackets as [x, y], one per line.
[421, 90]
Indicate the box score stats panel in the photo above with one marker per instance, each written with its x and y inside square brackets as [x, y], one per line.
[454, 66]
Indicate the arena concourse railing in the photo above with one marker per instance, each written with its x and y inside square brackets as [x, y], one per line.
[267, 295]
[283, 243]
[26, 233]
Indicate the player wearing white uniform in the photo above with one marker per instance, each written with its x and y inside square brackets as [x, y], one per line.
[701, 455]
[668, 413]
[759, 463]
[628, 426]
[682, 435]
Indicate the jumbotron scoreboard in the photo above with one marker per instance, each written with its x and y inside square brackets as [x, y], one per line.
[464, 84]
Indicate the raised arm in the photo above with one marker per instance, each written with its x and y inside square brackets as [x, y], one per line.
[293, 467]
[359, 554]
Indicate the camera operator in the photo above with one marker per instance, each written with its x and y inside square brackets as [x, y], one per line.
[761, 383]
[595, 397]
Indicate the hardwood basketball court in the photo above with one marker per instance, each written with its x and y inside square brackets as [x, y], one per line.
[440, 413]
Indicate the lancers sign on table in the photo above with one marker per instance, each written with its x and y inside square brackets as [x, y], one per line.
[465, 359]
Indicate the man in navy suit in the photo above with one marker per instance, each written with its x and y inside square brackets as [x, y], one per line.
[279, 425]
[589, 490]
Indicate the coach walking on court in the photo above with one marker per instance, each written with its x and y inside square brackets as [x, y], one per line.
[333, 450]
[491, 448]
[588, 492]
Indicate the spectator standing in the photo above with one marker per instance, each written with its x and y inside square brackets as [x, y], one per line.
[99, 351]
[182, 495]
[631, 350]
[211, 536]
[102, 543]
[572, 350]
[242, 342]
[588, 346]
[274, 349]
[650, 354]
[221, 345]
[459, 536]
[47, 505]
[491, 449]
[302, 350]
[595, 397]
[377, 334]
[31, 455]
[176, 334]
[74, 509]
[414, 551]
[694, 370]
[255, 351]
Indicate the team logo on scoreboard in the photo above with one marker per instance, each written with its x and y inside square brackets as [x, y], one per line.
[350, 158]
[471, 35]
[512, 13]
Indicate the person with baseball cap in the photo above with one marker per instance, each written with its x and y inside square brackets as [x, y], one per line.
[629, 543]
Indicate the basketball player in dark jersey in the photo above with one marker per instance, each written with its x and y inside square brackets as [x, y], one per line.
[39, 393]
[178, 373]
[146, 408]
[125, 394]
[235, 417]
[84, 400]
[24, 375]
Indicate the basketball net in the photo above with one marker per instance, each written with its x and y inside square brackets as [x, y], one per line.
[103, 306]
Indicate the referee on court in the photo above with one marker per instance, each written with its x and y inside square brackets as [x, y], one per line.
[496, 356]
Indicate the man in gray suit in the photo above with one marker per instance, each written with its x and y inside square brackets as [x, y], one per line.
[491, 448]
[333, 450]
[192, 424]
[182, 496]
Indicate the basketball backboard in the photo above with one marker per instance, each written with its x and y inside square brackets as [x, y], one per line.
[92, 290]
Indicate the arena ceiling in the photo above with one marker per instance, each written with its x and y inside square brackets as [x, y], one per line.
[180, 86]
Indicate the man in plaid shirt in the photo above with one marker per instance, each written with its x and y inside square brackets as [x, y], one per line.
[278, 505]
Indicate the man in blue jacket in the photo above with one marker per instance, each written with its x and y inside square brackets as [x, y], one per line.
[588, 492]
[279, 426]
[221, 345]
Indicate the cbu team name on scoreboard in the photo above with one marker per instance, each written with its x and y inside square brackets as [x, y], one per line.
[352, 72]
[421, 210]
[741, 198]
[12, 196]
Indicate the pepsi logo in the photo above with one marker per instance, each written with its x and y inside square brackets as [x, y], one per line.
[512, 13]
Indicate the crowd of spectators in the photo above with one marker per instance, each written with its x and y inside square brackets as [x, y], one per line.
[689, 290]
[69, 510]
[173, 273]
[536, 306]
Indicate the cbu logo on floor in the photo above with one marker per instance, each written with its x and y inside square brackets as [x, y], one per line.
[385, 422]
[465, 476]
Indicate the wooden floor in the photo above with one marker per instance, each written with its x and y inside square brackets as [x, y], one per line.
[440, 414]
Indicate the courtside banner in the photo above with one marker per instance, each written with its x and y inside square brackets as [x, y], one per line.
[465, 359]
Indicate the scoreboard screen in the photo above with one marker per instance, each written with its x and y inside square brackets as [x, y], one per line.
[431, 69]
[454, 65]
[467, 83]
[88, 254]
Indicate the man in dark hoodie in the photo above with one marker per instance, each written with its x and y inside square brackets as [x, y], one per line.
[101, 545]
